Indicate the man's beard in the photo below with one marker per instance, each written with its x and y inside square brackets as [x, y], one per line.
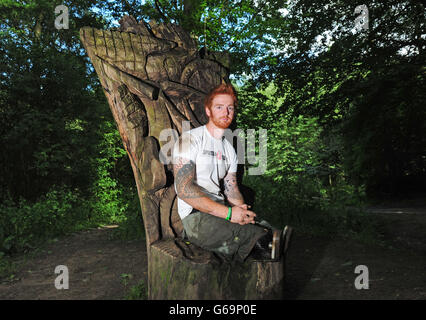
[221, 123]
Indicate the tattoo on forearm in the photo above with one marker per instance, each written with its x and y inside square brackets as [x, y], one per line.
[184, 172]
[231, 187]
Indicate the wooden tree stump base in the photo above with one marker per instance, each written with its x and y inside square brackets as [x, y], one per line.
[184, 271]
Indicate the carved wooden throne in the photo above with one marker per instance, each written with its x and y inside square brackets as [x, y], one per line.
[154, 78]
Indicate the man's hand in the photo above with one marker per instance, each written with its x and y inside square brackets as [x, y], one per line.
[244, 206]
[241, 214]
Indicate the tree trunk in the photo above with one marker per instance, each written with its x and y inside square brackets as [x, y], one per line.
[154, 78]
[182, 271]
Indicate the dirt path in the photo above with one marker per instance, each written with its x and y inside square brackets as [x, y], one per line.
[98, 268]
[325, 268]
[328, 271]
[317, 268]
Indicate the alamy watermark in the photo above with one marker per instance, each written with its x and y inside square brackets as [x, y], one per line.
[62, 281]
[363, 19]
[246, 147]
[62, 21]
[362, 281]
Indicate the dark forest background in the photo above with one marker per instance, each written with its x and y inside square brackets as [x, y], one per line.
[344, 109]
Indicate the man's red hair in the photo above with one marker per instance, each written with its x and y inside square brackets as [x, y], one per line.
[224, 88]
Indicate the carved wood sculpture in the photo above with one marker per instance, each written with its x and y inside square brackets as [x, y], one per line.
[154, 78]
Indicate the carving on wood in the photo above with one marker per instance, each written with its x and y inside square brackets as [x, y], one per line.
[155, 77]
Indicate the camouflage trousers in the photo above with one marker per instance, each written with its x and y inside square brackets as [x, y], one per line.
[231, 241]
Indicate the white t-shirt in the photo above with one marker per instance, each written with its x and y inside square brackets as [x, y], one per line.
[213, 158]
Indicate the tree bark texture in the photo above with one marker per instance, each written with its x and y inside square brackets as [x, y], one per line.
[155, 77]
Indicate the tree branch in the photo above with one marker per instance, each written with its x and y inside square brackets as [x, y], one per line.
[158, 8]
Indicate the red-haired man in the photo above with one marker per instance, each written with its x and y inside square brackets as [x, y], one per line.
[215, 218]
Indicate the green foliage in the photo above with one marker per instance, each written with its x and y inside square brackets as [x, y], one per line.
[125, 277]
[366, 87]
[7, 267]
[62, 158]
[114, 196]
[131, 226]
[305, 182]
[48, 101]
[106, 193]
[138, 292]
[285, 203]
[24, 224]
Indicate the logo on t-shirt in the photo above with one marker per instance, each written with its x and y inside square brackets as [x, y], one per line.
[218, 154]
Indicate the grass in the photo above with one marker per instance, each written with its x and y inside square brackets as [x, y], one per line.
[138, 292]
[7, 268]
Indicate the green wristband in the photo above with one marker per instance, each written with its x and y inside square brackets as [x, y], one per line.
[228, 217]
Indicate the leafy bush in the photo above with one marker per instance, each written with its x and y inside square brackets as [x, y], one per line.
[288, 203]
[7, 267]
[131, 226]
[138, 292]
[305, 184]
[114, 197]
[25, 224]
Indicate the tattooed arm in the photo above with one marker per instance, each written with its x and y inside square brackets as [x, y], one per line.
[231, 191]
[191, 193]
